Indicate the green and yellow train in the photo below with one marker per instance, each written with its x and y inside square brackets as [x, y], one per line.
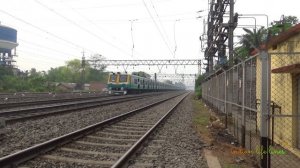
[123, 83]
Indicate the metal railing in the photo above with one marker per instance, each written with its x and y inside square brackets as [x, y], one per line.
[259, 102]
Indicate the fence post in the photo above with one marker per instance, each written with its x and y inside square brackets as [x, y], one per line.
[243, 107]
[265, 106]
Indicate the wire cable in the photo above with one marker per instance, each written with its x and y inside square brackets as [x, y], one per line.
[132, 50]
[175, 43]
[81, 27]
[159, 20]
[157, 27]
[106, 32]
[41, 46]
[41, 29]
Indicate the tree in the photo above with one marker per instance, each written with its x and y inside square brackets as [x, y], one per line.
[24, 81]
[4, 72]
[60, 74]
[36, 81]
[198, 82]
[75, 69]
[250, 42]
[253, 39]
[72, 73]
[97, 75]
[282, 25]
[95, 59]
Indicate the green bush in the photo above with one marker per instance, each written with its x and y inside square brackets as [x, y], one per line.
[198, 92]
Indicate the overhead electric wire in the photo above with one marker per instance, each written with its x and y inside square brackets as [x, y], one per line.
[41, 34]
[107, 32]
[41, 29]
[81, 27]
[41, 60]
[39, 50]
[175, 43]
[157, 27]
[143, 20]
[131, 30]
[132, 39]
[89, 20]
[159, 20]
[41, 46]
[114, 5]
[149, 18]
[109, 6]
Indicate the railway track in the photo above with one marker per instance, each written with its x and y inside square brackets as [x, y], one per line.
[15, 115]
[110, 143]
[44, 102]
[7, 98]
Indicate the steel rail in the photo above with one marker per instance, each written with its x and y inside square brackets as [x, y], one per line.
[22, 96]
[13, 160]
[129, 153]
[44, 114]
[46, 93]
[37, 109]
[50, 101]
[13, 119]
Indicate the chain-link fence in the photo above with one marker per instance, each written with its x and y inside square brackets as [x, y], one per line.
[258, 102]
[285, 108]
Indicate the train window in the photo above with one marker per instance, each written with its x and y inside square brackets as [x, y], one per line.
[113, 78]
[135, 81]
[123, 78]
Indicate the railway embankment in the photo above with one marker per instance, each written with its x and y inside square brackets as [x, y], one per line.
[219, 144]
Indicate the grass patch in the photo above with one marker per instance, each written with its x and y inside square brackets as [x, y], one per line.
[209, 135]
[202, 113]
[201, 120]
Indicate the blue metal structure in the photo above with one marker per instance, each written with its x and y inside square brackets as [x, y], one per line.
[8, 34]
[8, 43]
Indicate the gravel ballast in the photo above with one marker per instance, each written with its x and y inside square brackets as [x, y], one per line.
[22, 135]
[148, 117]
[180, 144]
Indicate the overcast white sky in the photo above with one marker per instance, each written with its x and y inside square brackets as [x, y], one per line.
[104, 27]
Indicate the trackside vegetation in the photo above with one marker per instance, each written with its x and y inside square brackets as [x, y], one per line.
[14, 80]
[198, 91]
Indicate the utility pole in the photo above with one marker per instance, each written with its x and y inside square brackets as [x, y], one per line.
[218, 32]
[230, 31]
[210, 38]
[82, 71]
[131, 30]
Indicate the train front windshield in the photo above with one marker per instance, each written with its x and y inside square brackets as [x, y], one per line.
[123, 78]
[113, 78]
